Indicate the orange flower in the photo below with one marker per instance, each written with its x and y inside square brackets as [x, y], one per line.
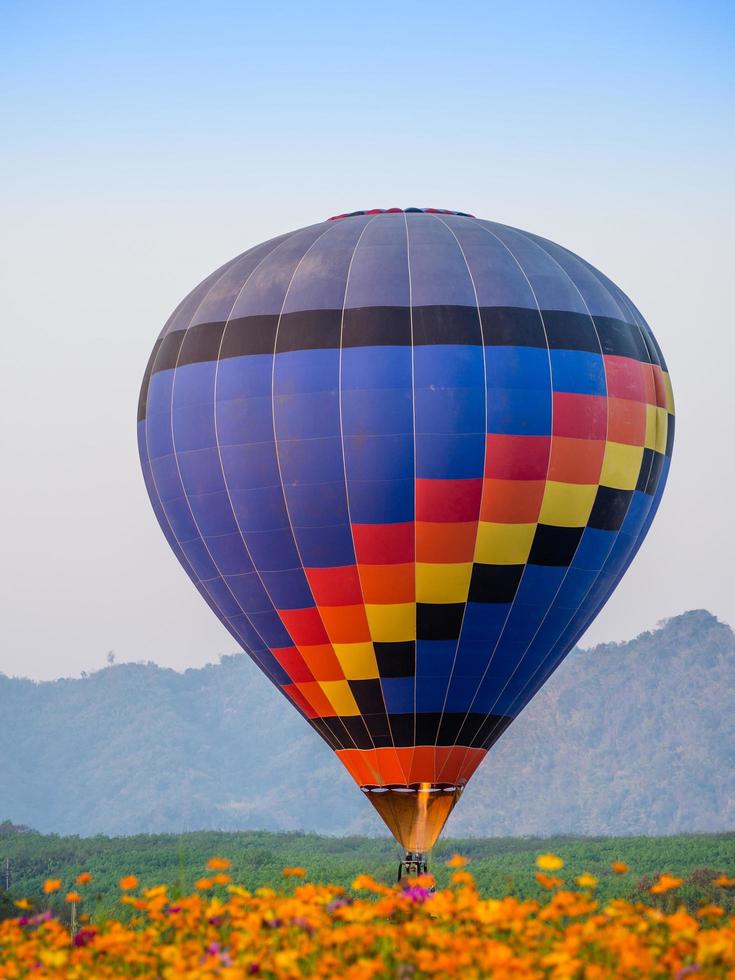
[724, 882]
[218, 864]
[586, 880]
[294, 873]
[710, 912]
[620, 867]
[462, 878]
[73, 897]
[51, 885]
[665, 883]
[548, 881]
[128, 883]
[84, 878]
[203, 884]
[221, 879]
[549, 862]
[456, 861]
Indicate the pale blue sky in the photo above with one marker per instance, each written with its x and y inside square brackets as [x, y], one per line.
[145, 143]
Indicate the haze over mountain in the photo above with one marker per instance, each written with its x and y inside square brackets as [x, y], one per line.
[630, 738]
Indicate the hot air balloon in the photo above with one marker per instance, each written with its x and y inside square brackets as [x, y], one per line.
[405, 456]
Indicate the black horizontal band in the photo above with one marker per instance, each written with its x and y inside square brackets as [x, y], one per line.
[473, 730]
[399, 326]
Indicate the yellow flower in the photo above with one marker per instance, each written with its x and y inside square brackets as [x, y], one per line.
[665, 883]
[456, 861]
[549, 862]
[128, 883]
[586, 880]
[51, 885]
[22, 903]
[218, 864]
[73, 897]
[294, 873]
[620, 867]
[84, 878]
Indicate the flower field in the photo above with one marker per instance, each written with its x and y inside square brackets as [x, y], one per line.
[301, 929]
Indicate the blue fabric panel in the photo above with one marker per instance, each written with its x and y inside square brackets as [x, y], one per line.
[377, 411]
[261, 509]
[265, 290]
[241, 421]
[539, 584]
[212, 513]
[217, 303]
[578, 372]
[496, 275]
[593, 548]
[311, 460]
[193, 427]
[483, 622]
[398, 694]
[379, 271]
[193, 385]
[297, 372]
[222, 597]
[250, 376]
[379, 457]
[165, 474]
[229, 554]
[551, 286]
[449, 410]
[598, 300]
[178, 514]
[273, 550]
[310, 506]
[158, 434]
[381, 501]
[450, 457]
[449, 366]
[201, 471]
[307, 416]
[519, 411]
[376, 367]
[326, 547]
[249, 592]
[518, 367]
[432, 246]
[288, 589]
[574, 589]
[271, 629]
[247, 467]
[319, 280]
[199, 559]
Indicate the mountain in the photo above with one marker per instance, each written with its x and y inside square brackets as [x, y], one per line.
[626, 738]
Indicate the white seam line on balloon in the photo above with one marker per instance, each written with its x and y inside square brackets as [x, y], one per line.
[344, 468]
[484, 227]
[482, 487]
[413, 432]
[571, 561]
[278, 463]
[229, 494]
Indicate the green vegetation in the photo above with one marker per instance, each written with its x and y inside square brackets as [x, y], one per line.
[501, 865]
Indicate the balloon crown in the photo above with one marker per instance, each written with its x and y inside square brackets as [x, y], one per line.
[354, 214]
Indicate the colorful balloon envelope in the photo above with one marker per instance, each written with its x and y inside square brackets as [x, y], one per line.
[405, 457]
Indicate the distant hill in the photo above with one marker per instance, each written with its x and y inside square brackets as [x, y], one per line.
[628, 738]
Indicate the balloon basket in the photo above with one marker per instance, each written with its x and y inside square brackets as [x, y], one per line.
[413, 864]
